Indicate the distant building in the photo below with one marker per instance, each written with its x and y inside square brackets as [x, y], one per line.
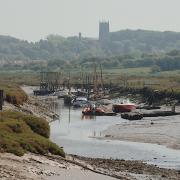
[104, 31]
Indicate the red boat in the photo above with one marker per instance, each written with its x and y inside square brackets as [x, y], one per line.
[123, 106]
[93, 111]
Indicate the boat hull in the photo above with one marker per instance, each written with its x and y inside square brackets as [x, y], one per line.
[120, 108]
[95, 112]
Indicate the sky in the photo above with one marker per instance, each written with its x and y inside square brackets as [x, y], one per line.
[33, 20]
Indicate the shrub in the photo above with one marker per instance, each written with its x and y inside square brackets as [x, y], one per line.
[37, 125]
[13, 93]
[21, 133]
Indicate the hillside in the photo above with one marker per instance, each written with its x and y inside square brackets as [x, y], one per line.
[145, 41]
[61, 48]
[124, 49]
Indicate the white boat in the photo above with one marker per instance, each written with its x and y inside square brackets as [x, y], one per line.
[124, 105]
[80, 102]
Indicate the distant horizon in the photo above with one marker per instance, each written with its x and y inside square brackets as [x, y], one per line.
[34, 20]
[76, 35]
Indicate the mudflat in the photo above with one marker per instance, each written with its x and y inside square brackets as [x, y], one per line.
[159, 130]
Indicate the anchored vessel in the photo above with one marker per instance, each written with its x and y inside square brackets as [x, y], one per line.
[93, 110]
[121, 106]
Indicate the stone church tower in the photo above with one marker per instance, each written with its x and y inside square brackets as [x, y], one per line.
[104, 31]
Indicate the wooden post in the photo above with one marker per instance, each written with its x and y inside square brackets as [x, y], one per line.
[173, 109]
[1, 99]
[69, 85]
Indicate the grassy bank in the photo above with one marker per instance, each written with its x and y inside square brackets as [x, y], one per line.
[13, 93]
[11, 83]
[22, 133]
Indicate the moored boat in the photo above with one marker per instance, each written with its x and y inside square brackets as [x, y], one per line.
[123, 106]
[92, 110]
[80, 102]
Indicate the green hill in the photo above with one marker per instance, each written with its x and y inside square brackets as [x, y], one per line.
[58, 47]
[124, 49]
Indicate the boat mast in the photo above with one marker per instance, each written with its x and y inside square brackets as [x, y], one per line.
[95, 80]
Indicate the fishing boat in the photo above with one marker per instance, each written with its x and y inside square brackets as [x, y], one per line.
[80, 102]
[93, 110]
[121, 106]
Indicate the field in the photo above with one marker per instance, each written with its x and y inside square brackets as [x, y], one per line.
[130, 77]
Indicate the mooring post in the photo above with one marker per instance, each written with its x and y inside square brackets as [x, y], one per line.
[1, 99]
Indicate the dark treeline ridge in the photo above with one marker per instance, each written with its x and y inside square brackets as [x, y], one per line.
[158, 62]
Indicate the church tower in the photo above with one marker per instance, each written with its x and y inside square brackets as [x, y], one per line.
[104, 31]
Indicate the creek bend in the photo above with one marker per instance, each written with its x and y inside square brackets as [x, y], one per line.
[76, 134]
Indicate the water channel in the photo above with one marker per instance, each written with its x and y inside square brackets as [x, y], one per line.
[76, 134]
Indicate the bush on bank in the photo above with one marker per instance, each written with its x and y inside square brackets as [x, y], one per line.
[20, 133]
[13, 93]
[37, 125]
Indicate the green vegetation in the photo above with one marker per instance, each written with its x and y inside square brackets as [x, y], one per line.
[13, 93]
[22, 133]
[127, 53]
[11, 82]
[19, 78]
[57, 51]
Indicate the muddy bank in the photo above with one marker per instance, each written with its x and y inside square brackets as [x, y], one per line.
[38, 106]
[159, 130]
[27, 167]
[35, 167]
[131, 169]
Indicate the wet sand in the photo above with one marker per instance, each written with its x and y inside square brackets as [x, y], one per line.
[160, 130]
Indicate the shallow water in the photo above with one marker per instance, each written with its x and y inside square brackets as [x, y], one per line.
[76, 133]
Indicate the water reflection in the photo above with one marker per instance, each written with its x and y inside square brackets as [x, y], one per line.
[88, 117]
[69, 114]
[73, 124]
[58, 107]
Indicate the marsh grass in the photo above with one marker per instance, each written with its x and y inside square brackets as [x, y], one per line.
[11, 82]
[20, 133]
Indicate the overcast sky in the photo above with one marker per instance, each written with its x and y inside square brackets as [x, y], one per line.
[35, 19]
